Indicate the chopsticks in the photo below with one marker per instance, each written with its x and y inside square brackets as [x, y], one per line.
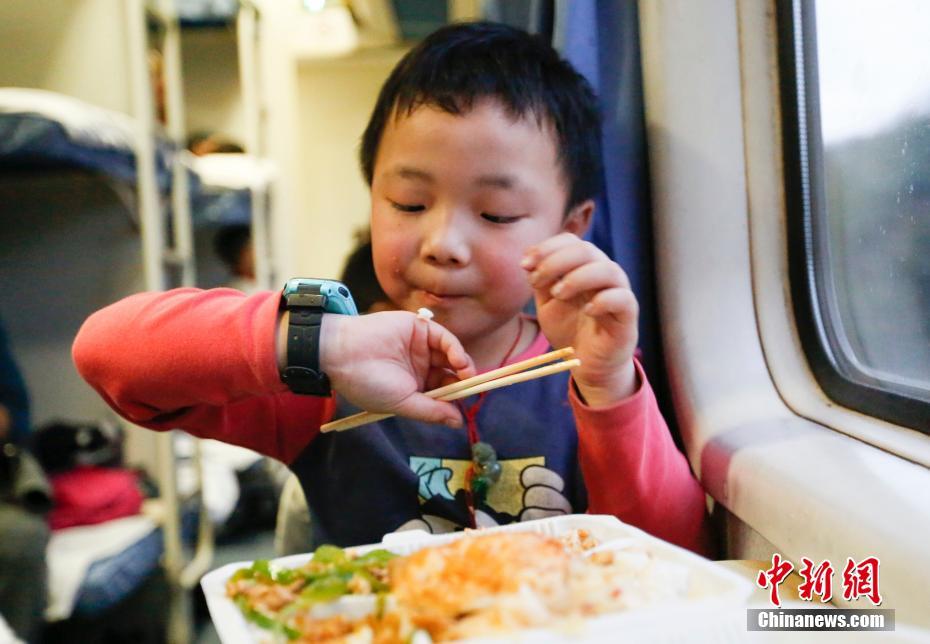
[508, 375]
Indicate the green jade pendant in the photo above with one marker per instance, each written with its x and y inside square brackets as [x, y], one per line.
[486, 471]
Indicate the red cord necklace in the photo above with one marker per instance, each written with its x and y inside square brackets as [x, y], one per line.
[484, 470]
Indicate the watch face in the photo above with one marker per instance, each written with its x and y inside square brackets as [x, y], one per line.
[331, 295]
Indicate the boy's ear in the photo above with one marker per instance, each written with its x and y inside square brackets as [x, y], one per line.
[578, 219]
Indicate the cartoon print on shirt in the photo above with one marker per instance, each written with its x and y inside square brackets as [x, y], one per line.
[526, 490]
[434, 477]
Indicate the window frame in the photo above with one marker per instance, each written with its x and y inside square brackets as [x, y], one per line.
[813, 297]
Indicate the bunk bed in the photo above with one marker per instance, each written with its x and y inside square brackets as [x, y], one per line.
[234, 190]
[40, 129]
[44, 134]
[223, 185]
[207, 13]
[69, 164]
[230, 189]
[69, 159]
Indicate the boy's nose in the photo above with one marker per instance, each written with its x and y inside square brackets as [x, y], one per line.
[445, 241]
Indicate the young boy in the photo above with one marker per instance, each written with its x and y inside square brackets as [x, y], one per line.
[483, 158]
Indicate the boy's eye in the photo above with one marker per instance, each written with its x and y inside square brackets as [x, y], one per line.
[498, 219]
[407, 207]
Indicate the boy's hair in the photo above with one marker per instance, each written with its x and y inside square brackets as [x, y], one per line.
[457, 65]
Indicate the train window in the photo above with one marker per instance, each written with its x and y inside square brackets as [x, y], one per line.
[856, 108]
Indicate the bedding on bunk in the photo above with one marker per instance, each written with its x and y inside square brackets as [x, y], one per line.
[88, 495]
[6, 634]
[100, 549]
[222, 185]
[91, 568]
[39, 128]
[225, 170]
[195, 13]
[110, 580]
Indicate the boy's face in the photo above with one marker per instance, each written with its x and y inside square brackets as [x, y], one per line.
[456, 200]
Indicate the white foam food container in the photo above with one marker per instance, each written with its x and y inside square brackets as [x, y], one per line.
[713, 609]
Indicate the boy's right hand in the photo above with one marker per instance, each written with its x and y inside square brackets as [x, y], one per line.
[382, 362]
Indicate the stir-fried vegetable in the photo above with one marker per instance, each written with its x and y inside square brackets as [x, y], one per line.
[266, 621]
[271, 596]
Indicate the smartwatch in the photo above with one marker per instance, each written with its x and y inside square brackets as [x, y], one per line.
[306, 300]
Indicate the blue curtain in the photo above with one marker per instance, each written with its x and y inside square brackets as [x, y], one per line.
[601, 39]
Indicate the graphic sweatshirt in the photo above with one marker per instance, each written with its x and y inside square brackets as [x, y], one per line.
[204, 361]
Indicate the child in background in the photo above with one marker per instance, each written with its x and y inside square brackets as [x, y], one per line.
[483, 158]
[233, 245]
[358, 274]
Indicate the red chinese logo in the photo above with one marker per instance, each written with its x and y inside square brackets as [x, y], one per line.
[861, 580]
[817, 581]
[774, 576]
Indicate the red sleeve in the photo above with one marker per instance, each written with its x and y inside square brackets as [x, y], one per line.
[201, 361]
[633, 470]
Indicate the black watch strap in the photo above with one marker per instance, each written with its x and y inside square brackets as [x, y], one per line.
[303, 374]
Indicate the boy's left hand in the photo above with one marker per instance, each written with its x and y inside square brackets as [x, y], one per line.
[583, 300]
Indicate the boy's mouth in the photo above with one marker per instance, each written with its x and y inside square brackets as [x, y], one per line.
[438, 299]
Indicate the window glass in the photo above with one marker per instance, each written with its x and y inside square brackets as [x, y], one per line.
[871, 246]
